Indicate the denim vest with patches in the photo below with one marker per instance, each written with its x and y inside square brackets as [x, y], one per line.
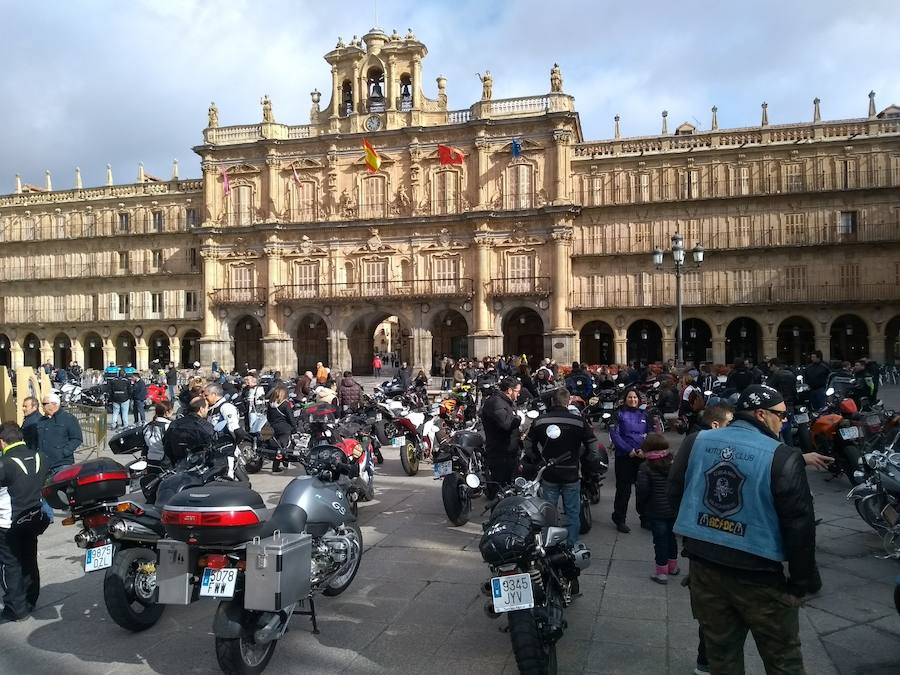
[728, 492]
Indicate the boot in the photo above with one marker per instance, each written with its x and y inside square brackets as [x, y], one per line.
[672, 568]
[661, 576]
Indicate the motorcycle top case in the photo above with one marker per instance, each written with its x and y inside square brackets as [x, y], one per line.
[97, 480]
[214, 514]
[507, 538]
[128, 441]
[277, 573]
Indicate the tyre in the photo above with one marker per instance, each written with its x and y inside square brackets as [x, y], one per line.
[340, 582]
[129, 589]
[253, 459]
[533, 656]
[870, 511]
[585, 515]
[457, 502]
[385, 430]
[242, 656]
[409, 459]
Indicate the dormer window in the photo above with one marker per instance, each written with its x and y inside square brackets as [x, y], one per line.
[685, 129]
[375, 80]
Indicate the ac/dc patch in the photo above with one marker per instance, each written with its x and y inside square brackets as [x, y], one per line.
[725, 525]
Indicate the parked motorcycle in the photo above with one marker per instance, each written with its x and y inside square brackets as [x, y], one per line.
[263, 567]
[417, 437]
[877, 498]
[534, 572]
[459, 464]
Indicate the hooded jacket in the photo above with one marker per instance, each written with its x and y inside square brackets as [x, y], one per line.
[651, 489]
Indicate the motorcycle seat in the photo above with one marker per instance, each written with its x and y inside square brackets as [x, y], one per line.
[286, 518]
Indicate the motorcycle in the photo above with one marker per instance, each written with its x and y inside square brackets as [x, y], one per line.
[417, 437]
[877, 498]
[534, 572]
[835, 433]
[263, 568]
[459, 464]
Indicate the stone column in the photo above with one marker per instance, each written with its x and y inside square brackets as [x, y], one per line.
[273, 277]
[390, 83]
[77, 350]
[823, 344]
[339, 351]
[669, 349]
[718, 349]
[417, 82]
[141, 353]
[210, 190]
[16, 354]
[357, 89]
[174, 351]
[46, 351]
[562, 138]
[560, 320]
[272, 209]
[335, 93]
[481, 177]
[109, 351]
[620, 354]
[481, 342]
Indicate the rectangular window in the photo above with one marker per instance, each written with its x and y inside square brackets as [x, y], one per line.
[156, 303]
[88, 227]
[124, 304]
[123, 261]
[742, 291]
[193, 217]
[124, 223]
[446, 274]
[847, 222]
[194, 259]
[793, 178]
[190, 302]
[519, 179]
[303, 196]
[690, 187]
[795, 228]
[241, 277]
[375, 276]
[743, 232]
[446, 197]
[692, 289]
[744, 180]
[372, 199]
[849, 275]
[643, 236]
[794, 284]
[643, 288]
[520, 273]
[306, 278]
[158, 221]
[644, 187]
[241, 205]
[156, 261]
[846, 177]
[60, 226]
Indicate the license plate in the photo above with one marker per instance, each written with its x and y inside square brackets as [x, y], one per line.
[512, 593]
[608, 405]
[378, 417]
[849, 433]
[218, 583]
[303, 441]
[802, 418]
[442, 469]
[98, 558]
[398, 441]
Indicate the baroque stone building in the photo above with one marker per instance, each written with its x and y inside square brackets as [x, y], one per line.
[290, 250]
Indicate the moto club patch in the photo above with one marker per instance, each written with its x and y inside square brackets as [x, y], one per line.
[723, 496]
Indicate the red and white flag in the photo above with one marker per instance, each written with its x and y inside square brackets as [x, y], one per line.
[447, 154]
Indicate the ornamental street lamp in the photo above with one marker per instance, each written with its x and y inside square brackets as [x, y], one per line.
[678, 253]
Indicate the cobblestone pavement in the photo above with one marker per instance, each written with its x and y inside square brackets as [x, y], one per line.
[415, 606]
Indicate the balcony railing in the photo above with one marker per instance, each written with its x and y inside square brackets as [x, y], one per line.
[352, 291]
[519, 286]
[30, 271]
[253, 295]
[737, 295]
[722, 239]
[44, 313]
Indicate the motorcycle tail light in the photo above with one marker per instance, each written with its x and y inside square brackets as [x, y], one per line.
[100, 477]
[95, 520]
[849, 407]
[214, 561]
[210, 518]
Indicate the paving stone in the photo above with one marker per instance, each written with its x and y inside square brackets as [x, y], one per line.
[848, 606]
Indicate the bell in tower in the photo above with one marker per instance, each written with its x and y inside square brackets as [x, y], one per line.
[375, 78]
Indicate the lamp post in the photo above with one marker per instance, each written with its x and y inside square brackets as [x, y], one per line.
[678, 253]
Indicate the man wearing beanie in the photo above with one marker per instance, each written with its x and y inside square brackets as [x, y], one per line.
[744, 507]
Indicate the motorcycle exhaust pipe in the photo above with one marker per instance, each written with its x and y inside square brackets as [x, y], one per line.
[270, 631]
[128, 530]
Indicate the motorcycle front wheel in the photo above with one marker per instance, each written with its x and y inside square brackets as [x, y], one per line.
[253, 459]
[457, 502]
[533, 655]
[586, 518]
[341, 581]
[870, 511]
[409, 459]
[243, 656]
[129, 589]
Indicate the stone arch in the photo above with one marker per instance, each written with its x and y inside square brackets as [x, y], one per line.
[31, 349]
[849, 338]
[598, 344]
[126, 349]
[247, 344]
[159, 348]
[743, 340]
[796, 340]
[311, 334]
[523, 333]
[644, 341]
[5, 351]
[190, 348]
[92, 347]
[892, 341]
[696, 341]
[361, 338]
[449, 334]
[62, 351]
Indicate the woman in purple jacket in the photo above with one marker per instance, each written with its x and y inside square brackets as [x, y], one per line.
[627, 436]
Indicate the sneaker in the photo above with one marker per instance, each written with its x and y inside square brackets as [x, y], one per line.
[622, 527]
[659, 578]
[673, 570]
[701, 669]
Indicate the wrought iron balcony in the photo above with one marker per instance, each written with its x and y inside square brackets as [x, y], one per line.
[252, 295]
[366, 290]
[519, 287]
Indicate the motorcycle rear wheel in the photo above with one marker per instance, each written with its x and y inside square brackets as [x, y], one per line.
[533, 655]
[385, 430]
[408, 458]
[242, 656]
[129, 594]
[586, 518]
[457, 502]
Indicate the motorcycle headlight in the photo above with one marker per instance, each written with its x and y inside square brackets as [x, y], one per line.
[859, 475]
[473, 481]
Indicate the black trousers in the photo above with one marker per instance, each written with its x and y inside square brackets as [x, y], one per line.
[19, 574]
[626, 475]
[501, 471]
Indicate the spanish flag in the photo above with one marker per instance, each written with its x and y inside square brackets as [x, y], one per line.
[447, 154]
[373, 161]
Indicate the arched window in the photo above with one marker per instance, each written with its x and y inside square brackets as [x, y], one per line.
[375, 80]
[405, 103]
[241, 205]
[520, 186]
[372, 197]
[445, 192]
[303, 200]
[346, 99]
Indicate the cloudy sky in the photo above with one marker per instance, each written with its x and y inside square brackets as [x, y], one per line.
[94, 81]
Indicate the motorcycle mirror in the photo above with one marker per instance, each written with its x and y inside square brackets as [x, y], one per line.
[606, 416]
[139, 465]
[829, 391]
[473, 481]
[533, 414]
[707, 393]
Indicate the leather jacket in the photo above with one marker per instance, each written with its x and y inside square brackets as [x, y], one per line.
[501, 423]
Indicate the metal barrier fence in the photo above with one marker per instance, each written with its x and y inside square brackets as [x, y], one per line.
[92, 420]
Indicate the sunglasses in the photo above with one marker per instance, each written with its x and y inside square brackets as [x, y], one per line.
[782, 414]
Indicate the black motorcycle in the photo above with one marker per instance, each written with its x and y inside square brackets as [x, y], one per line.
[459, 463]
[534, 572]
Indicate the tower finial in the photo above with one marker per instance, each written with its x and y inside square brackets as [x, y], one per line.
[142, 177]
[48, 184]
[109, 180]
[817, 111]
[174, 169]
[715, 118]
[618, 132]
[18, 184]
[78, 183]
[665, 125]
[765, 115]
[872, 112]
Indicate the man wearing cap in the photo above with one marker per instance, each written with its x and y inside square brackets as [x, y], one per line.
[744, 507]
[59, 434]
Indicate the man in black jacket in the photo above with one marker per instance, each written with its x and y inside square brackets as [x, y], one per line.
[501, 436]
[139, 398]
[119, 390]
[744, 507]
[171, 381]
[30, 418]
[560, 433]
[22, 474]
[739, 378]
[816, 377]
[189, 433]
[59, 434]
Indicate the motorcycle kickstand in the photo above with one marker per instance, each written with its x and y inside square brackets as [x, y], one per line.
[311, 613]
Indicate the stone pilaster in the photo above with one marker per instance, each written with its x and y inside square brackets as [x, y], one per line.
[142, 353]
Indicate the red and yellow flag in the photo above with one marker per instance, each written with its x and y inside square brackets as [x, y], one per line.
[373, 161]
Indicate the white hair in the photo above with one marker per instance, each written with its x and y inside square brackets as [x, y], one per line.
[52, 398]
